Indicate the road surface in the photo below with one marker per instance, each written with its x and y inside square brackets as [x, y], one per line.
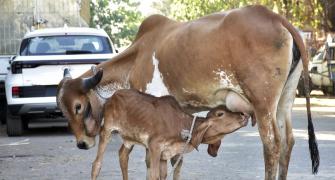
[50, 153]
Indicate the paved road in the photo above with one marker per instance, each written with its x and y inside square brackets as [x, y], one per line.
[50, 154]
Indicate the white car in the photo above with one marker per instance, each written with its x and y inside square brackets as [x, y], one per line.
[322, 70]
[34, 74]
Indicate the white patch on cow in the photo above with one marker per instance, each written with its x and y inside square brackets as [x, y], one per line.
[106, 91]
[156, 87]
[225, 81]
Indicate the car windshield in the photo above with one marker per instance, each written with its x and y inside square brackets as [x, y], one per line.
[65, 44]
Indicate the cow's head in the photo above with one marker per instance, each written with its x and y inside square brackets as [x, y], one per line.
[78, 106]
[219, 122]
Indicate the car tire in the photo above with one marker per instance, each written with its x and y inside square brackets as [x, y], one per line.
[3, 110]
[14, 125]
[25, 122]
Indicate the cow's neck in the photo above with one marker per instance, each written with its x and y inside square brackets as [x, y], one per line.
[115, 74]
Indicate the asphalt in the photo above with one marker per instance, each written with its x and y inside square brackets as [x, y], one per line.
[50, 153]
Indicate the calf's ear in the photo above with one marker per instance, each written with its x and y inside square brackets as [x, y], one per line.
[199, 135]
[214, 148]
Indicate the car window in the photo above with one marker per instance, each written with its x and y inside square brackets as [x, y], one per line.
[66, 44]
[320, 56]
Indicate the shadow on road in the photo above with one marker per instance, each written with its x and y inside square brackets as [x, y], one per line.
[42, 129]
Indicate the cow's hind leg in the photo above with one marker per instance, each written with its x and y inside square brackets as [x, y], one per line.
[284, 121]
[270, 136]
[123, 159]
[103, 141]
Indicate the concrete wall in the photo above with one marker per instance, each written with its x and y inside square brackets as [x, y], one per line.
[18, 16]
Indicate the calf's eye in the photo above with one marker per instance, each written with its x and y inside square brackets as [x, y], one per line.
[78, 107]
[220, 113]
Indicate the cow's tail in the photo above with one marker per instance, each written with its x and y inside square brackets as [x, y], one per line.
[313, 146]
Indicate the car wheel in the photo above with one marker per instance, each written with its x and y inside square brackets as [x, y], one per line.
[14, 125]
[3, 110]
[327, 91]
[25, 122]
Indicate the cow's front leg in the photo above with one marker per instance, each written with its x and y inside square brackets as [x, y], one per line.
[270, 136]
[103, 141]
[123, 159]
[176, 172]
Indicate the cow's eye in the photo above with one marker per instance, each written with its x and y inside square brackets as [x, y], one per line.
[78, 107]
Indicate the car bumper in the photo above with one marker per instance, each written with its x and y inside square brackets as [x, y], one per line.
[38, 108]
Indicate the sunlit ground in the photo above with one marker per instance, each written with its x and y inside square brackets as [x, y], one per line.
[298, 133]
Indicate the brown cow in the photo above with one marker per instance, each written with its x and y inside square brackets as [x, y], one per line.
[157, 123]
[247, 59]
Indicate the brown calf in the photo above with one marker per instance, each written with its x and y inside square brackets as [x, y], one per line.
[156, 123]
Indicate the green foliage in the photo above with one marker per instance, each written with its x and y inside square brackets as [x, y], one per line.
[192, 9]
[305, 14]
[119, 18]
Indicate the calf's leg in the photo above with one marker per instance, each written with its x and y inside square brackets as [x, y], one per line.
[176, 172]
[123, 159]
[103, 141]
[147, 162]
[163, 169]
[155, 154]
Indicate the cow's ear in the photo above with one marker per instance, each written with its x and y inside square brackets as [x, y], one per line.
[93, 120]
[199, 135]
[92, 126]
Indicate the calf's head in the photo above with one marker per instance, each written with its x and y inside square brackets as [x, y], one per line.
[219, 122]
[81, 110]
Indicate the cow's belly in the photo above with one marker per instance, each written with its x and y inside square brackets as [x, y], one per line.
[233, 98]
[217, 88]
